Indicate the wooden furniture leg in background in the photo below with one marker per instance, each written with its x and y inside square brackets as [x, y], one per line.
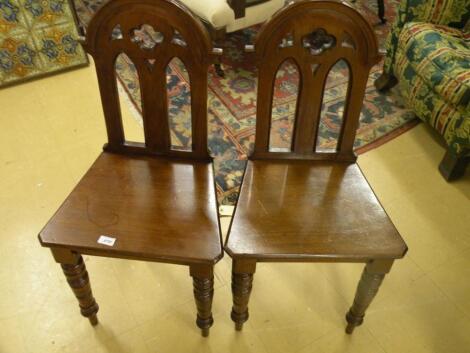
[218, 67]
[368, 286]
[453, 167]
[203, 283]
[242, 283]
[385, 82]
[381, 6]
[381, 10]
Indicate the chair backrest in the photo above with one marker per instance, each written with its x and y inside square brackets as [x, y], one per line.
[176, 33]
[315, 35]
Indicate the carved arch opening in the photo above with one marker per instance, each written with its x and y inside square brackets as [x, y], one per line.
[284, 102]
[334, 100]
[179, 103]
[133, 131]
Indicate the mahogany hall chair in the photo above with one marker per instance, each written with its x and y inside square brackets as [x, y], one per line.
[154, 203]
[305, 204]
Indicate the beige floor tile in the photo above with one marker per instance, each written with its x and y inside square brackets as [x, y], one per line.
[338, 342]
[11, 340]
[25, 285]
[292, 305]
[128, 342]
[423, 323]
[431, 214]
[153, 289]
[175, 332]
[223, 270]
[453, 279]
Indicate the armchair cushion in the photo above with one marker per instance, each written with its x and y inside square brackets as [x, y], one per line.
[450, 13]
[432, 65]
[219, 14]
[450, 122]
[440, 55]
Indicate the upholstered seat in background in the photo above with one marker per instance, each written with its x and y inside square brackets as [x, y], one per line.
[219, 14]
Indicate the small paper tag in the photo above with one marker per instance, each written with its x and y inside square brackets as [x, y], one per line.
[103, 239]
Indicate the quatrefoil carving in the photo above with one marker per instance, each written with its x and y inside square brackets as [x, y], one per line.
[318, 41]
[146, 37]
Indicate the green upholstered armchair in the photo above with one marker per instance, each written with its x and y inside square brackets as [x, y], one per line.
[428, 54]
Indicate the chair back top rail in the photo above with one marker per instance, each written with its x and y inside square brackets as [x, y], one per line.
[315, 35]
[151, 33]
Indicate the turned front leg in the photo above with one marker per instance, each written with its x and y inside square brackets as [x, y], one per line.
[203, 283]
[368, 286]
[77, 277]
[242, 283]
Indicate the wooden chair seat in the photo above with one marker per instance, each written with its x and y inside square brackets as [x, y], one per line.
[299, 210]
[157, 209]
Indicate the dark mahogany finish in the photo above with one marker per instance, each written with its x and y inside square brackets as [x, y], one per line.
[177, 34]
[158, 203]
[158, 209]
[305, 205]
[318, 210]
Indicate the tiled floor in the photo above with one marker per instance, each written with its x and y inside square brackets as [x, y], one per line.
[51, 131]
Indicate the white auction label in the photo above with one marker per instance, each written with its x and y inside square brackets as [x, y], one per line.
[103, 239]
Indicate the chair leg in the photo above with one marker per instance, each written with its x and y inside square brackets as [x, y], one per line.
[453, 167]
[381, 7]
[385, 82]
[368, 286]
[219, 38]
[203, 284]
[242, 283]
[77, 277]
[218, 68]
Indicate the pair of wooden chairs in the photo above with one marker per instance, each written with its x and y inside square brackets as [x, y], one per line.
[147, 201]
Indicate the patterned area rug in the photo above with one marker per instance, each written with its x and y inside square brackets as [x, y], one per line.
[232, 102]
[37, 39]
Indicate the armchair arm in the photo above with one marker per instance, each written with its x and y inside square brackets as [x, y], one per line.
[452, 13]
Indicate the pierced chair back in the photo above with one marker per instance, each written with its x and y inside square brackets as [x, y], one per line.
[315, 35]
[174, 33]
